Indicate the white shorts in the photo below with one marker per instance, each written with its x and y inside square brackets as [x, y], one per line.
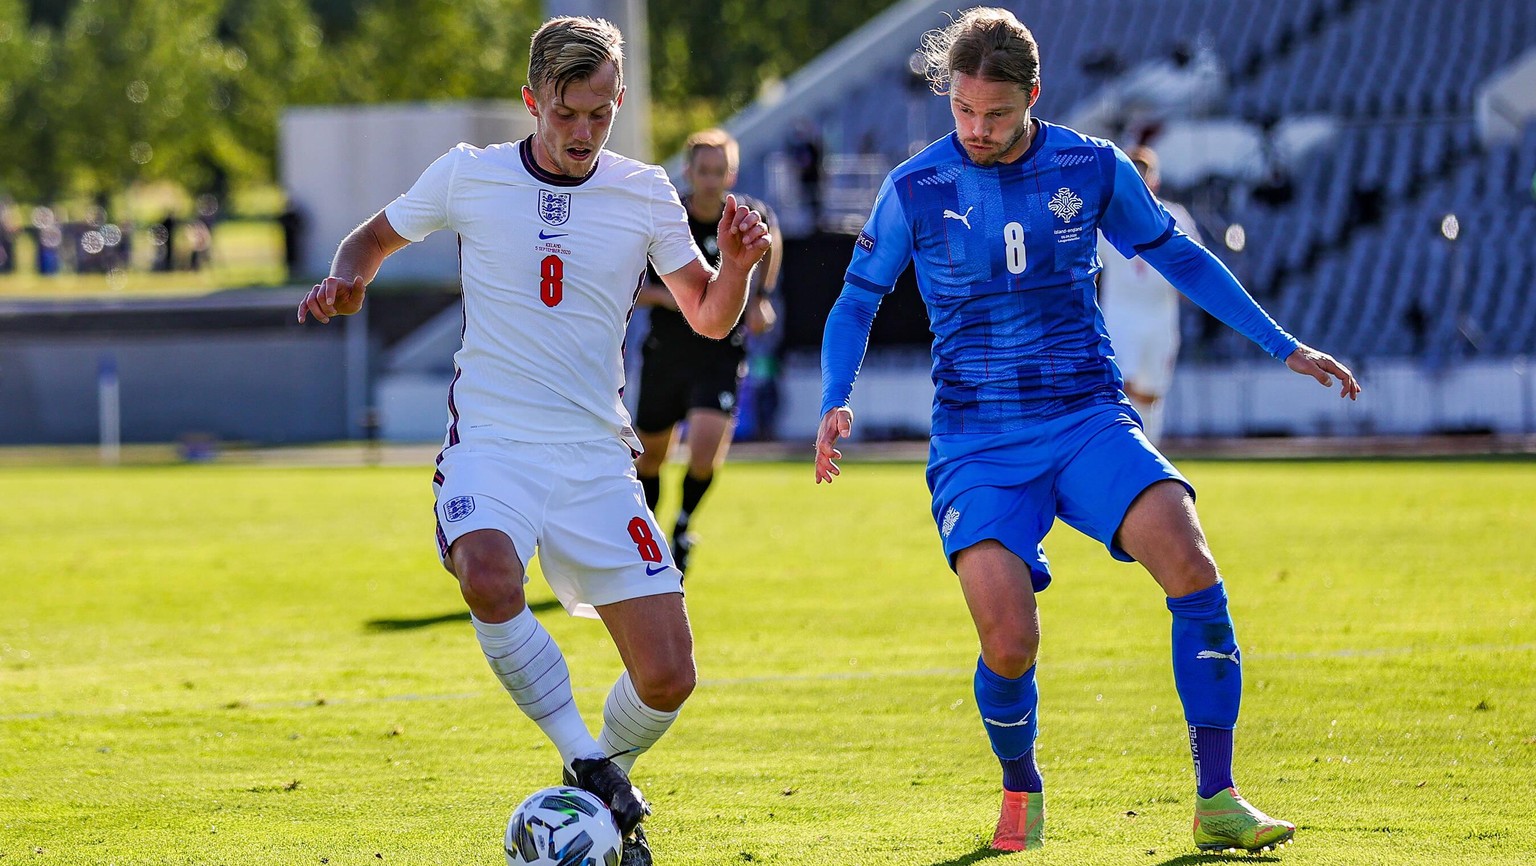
[1145, 352]
[579, 506]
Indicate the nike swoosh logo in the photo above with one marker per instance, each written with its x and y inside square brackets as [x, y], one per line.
[549, 236]
[654, 570]
[1019, 724]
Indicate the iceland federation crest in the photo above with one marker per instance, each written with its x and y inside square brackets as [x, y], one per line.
[951, 517]
[554, 207]
[1065, 204]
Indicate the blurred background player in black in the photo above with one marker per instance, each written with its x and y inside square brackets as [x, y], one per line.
[686, 377]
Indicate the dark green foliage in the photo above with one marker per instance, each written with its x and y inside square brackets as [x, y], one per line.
[96, 95]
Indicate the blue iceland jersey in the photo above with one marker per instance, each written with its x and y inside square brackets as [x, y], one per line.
[1005, 257]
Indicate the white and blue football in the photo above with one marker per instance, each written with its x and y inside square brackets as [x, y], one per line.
[562, 826]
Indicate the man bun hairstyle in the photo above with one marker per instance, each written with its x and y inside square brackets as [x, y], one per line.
[984, 42]
[569, 48]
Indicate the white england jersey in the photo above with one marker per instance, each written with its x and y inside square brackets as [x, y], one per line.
[550, 267]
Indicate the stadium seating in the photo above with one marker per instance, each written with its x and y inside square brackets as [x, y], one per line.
[1356, 257]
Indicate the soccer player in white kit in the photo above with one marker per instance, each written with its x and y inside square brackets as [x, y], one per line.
[554, 234]
[1141, 312]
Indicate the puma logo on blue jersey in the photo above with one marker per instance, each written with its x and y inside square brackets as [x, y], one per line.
[964, 218]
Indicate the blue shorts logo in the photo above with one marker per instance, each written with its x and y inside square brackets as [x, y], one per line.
[458, 508]
[865, 242]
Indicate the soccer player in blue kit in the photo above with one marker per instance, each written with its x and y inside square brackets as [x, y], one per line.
[1030, 419]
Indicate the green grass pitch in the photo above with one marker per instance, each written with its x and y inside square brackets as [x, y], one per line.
[233, 665]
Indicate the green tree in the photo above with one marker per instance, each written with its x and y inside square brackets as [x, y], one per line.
[13, 56]
[280, 60]
[29, 129]
[403, 50]
[723, 50]
[16, 76]
[139, 97]
[96, 95]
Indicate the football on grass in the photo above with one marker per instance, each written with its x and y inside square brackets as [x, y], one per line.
[562, 826]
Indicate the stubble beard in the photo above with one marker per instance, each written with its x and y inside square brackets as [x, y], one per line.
[996, 155]
[563, 162]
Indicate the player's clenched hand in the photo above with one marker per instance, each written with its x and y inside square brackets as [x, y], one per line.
[1321, 366]
[742, 235]
[835, 425]
[333, 297]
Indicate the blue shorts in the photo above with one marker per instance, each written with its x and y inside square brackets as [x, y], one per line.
[1085, 468]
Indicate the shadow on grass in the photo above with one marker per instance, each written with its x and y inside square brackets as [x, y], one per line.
[986, 852]
[456, 616]
[1218, 857]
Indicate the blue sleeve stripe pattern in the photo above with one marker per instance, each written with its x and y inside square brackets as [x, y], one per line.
[867, 285]
[1162, 239]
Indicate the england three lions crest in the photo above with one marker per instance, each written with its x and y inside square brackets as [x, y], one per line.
[554, 207]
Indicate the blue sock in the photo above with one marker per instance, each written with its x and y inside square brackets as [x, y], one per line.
[1212, 749]
[1008, 714]
[1208, 673]
[1022, 773]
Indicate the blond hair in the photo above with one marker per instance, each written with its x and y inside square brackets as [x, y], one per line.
[984, 42]
[571, 49]
[714, 137]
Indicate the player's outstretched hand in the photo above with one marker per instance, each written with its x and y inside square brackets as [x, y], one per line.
[835, 425]
[1321, 366]
[333, 297]
[742, 235]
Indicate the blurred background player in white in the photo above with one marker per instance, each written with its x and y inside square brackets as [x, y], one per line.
[686, 376]
[1141, 312]
[554, 234]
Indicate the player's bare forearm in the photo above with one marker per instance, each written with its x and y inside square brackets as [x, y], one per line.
[712, 300]
[744, 240]
[359, 255]
[722, 303]
[690, 287]
[356, 263]
[363, 251]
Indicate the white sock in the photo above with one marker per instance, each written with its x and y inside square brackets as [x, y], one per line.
[532, 669]
[629, 726]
